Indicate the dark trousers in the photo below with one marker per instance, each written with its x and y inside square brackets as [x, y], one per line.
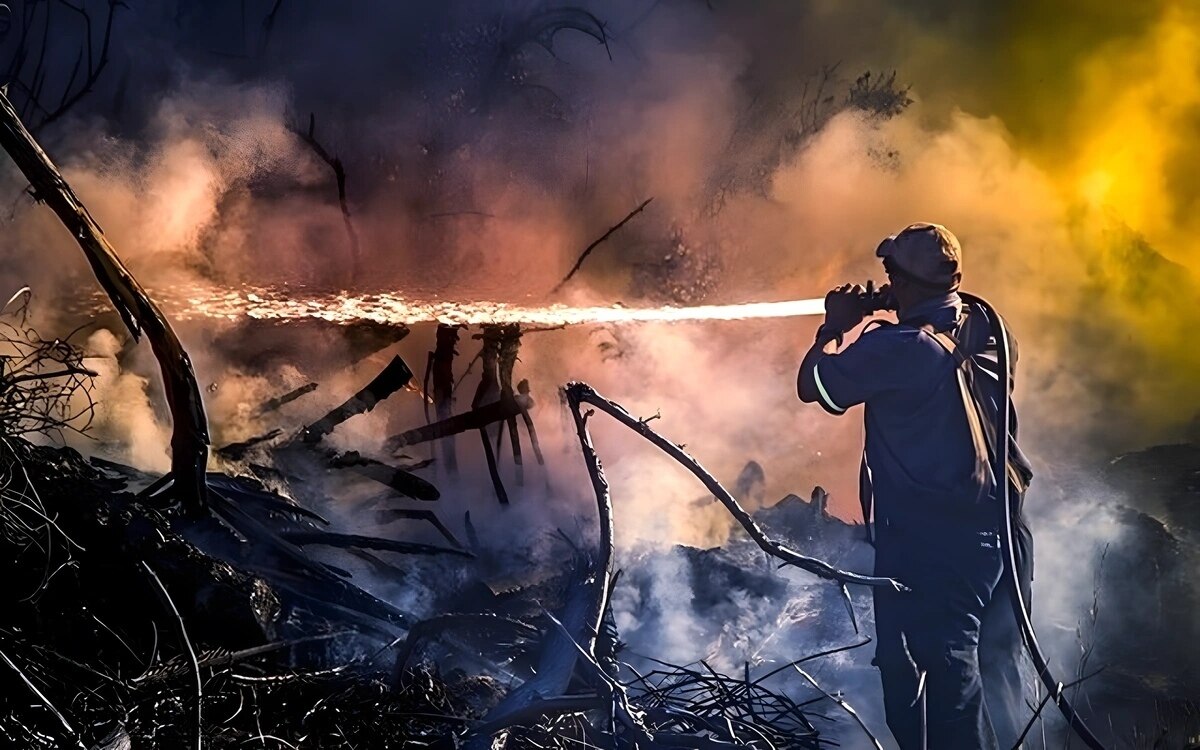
[1000, 653]
[932, 634]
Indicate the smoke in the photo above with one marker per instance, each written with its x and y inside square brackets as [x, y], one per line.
[478, 165]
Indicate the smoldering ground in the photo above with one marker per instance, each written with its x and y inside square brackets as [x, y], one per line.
[483, 149]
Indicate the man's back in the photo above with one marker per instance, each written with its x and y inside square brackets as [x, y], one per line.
[918, 444]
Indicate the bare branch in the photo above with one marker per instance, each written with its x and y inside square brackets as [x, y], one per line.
[339, 175]
[189, 437]
[588, 250]
[583, 393]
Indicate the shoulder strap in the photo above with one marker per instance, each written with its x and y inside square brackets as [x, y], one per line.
[963, 373]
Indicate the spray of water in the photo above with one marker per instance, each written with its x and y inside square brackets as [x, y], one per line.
[343, 308]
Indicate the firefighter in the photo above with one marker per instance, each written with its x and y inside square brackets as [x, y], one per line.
[927, 477]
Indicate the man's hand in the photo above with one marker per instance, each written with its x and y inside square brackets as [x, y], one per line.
[844, 308]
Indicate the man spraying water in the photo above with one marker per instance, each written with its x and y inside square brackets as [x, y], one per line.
[932, 389]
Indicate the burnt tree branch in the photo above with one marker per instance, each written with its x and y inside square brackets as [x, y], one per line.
[596, 243]
[189, 433]
[582, 393]
[339, 174]
[574, 635]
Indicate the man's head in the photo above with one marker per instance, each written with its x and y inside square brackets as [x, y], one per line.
[922, 261]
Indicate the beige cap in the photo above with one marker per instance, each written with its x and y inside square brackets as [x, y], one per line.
[927, 253]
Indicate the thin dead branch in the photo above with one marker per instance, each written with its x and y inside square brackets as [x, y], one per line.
[45, 701]
[844, 705]
[339, 175]
[31, 82]
[44, 386]
[595, 243]
[187, 642]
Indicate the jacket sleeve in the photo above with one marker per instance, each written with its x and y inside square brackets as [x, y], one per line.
[856, 374]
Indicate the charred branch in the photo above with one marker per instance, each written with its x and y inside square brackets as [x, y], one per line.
[389, 515]
[287, 567]
[189, 433]
[258, 499]
[575, 635]
[237, 451]
[327, 539]
[272, 404]
[403, 482]
[480, 419]
[393, 377]
[487, 392]
[339, 175]
[441, 368]
[596, 243]
[582, 393]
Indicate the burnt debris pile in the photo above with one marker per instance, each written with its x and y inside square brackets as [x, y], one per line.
[133, 621]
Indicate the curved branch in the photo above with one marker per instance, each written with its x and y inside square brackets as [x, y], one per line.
[189, 435]
[578, 393]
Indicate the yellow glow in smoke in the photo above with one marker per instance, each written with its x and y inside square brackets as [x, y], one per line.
[1132, 123]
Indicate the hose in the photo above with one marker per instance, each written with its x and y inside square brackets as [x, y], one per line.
[999, 458]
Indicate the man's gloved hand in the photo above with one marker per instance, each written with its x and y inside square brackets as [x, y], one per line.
[844, 309]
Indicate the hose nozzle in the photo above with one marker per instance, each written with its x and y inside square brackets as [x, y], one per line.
[873, 300]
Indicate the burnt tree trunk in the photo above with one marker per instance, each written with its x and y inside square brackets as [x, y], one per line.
[510, 344]
[442, 365]
[488, 392]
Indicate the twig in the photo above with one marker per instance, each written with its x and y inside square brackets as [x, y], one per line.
[1055, 695]
[588, 250]
[191, 654]
[845, 706]
[45, 701]
[1086, 648]
[339, 174]
[811, 657]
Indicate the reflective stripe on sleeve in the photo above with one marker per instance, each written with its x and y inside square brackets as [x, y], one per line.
[824, 393]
